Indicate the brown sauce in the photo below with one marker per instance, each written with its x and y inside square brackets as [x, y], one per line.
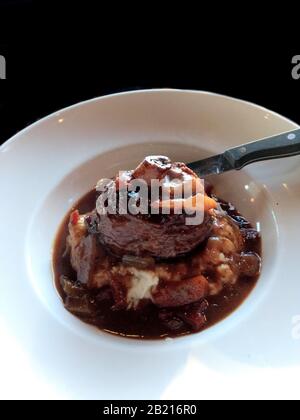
[147, 323]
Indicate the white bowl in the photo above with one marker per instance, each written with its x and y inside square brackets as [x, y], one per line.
[49, 165]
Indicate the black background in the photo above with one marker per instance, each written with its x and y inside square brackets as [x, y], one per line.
[57, 56]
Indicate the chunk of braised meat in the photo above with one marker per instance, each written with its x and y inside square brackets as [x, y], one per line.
[192, 315]
[248, 264]
[178, 293]
[83, 306]
[86, 254]
[152, 167]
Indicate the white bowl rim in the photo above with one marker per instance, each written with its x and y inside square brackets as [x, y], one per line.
[134, 92]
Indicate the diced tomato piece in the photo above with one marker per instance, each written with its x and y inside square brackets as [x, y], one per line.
[74, 217]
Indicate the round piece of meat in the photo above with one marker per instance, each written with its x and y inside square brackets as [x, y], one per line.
[136, 235]
[155, 235]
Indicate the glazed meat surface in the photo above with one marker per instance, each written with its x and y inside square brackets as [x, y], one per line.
[160, 236]
[167, 237]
